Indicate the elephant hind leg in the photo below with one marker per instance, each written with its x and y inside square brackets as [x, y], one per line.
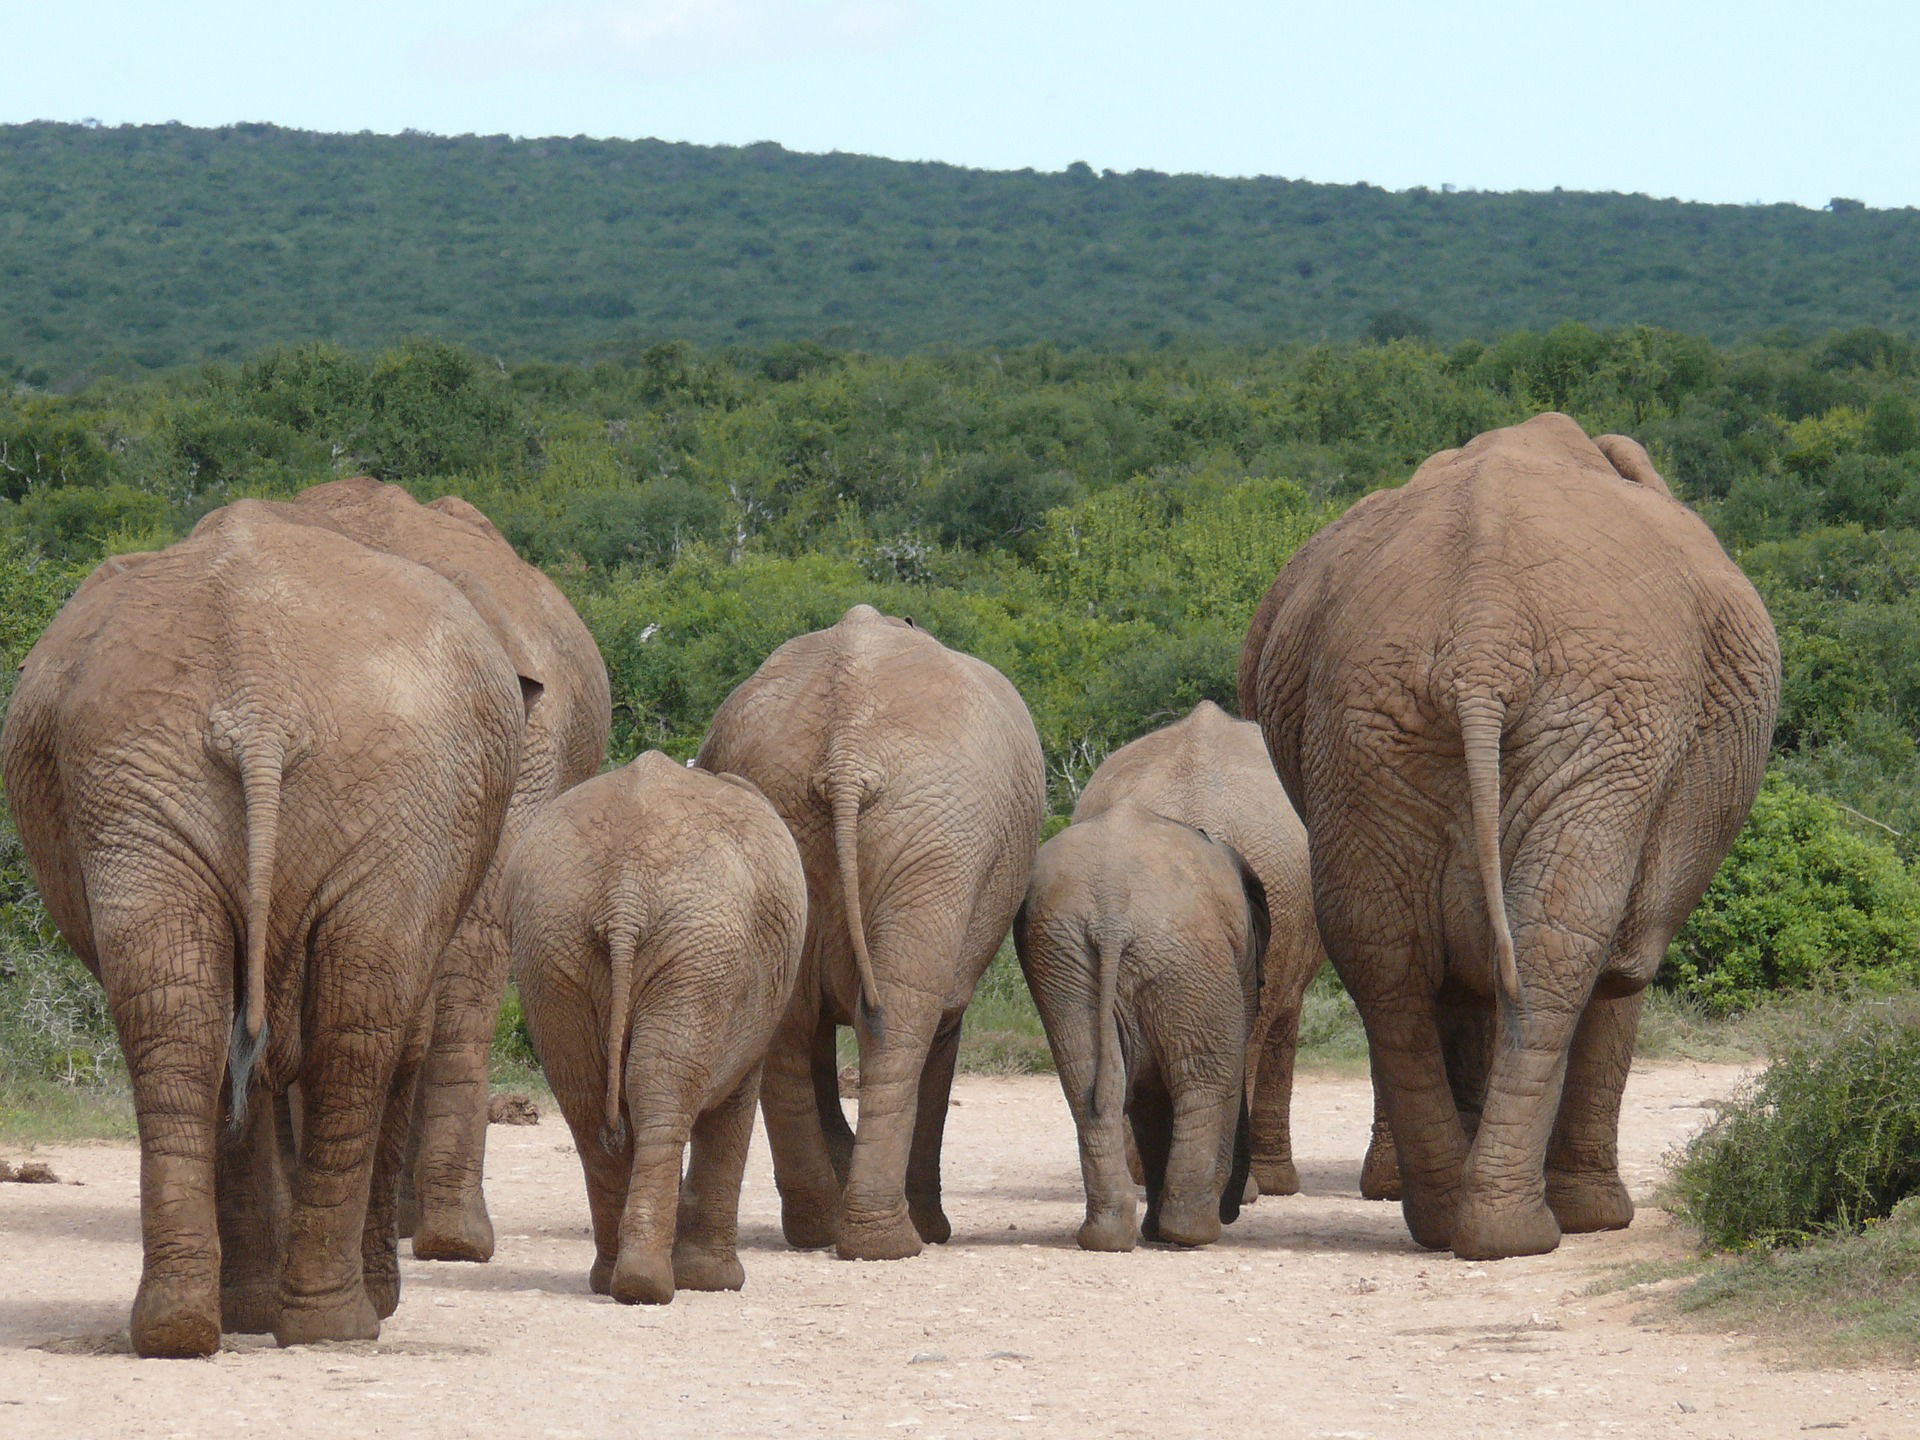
[1270, 1114]
[826, 1094]
[366, 988]
[1584, 1188]
[449, 1219]
[1150, 1114]
[803, 1164]
[253, 1202]
[665, 1078]
[875, 1223]
[380, 1239]
[168, 976]
[929, 1130]
[704, 1253]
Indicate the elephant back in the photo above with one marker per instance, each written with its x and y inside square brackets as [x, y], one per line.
[1211, 771]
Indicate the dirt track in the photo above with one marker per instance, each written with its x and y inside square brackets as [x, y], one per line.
[1315, 1317]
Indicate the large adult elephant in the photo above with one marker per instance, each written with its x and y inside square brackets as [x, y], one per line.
[911, 777]
[1523, 705]
[258, 776]
[569, 716]
[1211, 771]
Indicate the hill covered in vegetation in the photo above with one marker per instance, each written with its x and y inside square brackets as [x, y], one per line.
[151, 246]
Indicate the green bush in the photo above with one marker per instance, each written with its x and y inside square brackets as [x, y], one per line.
[1801, 902]
[1827, 1139]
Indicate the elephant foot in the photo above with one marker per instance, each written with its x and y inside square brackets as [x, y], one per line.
[1275, 1177]
[307, 1322]
[383, 1289]
[697, 1267]
[642, 1280]
[462, 1232]
[1186, 1225]
[930, 1221]
[1380, 1171]
[890, 1238]
[1249, 1192]
[1430, 1216]
[808, 1227]
[250, 1309]
[1113, 1234]
[175, 1319]
[1585, 1203]
[600, 1277]
[1483, 1233]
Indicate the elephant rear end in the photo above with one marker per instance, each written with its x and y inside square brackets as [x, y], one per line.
[656, 917]
[912, 780]
[1522, 705]
[259, 776]
[1140, 940]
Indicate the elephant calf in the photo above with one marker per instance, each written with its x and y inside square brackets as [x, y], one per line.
[656, 915]
[1141, 940]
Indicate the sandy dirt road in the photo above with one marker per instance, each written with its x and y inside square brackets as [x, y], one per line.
[1315, 1317]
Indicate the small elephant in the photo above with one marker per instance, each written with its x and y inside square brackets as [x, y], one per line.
[656, 915]
[1523, 704]
[1141, 941]
[569, 714]
[259, 776]
[1211, 771]
[912, 779]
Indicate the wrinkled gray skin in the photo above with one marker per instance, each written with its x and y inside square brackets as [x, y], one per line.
[656, 916]
[1141, 941]
[1211, 771]
[259, 776]
[911, 778]
[1523, 705]
[442, 1205]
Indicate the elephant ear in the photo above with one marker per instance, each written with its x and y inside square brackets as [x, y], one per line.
[1629, 457]
[1259, 917]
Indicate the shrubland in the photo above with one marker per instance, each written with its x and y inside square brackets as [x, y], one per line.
[1099, 525]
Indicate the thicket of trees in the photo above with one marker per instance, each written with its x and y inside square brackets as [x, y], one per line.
[150, 246]
[1099, 526]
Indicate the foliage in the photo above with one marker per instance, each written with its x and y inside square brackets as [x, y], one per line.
[1826, 1139]
[1097, 525]
[178, 245]
[1802, 901]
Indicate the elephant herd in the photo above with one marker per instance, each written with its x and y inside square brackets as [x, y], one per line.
[303, 788]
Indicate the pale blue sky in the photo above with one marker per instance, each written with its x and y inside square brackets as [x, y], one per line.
[1702, 99]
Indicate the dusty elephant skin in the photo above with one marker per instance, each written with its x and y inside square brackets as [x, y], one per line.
[656, 916]
[258, 776]
[442, 1204]
[1211, 771]
[1522, 705]
[911, 778]
[1141, 940]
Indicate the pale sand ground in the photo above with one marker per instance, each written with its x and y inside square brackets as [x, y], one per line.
[1316, 1316]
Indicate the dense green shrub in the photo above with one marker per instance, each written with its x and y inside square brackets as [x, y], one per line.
[1802, 901]
[1827, 1138]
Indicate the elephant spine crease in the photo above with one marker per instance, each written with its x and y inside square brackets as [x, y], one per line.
[1482, 721]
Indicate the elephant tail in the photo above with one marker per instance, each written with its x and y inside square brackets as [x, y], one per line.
[845, 798]
[1482, 720]
[261, 763]
[1109, 1065]
[623, 944]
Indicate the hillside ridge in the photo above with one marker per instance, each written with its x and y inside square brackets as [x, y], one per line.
[165, 244]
